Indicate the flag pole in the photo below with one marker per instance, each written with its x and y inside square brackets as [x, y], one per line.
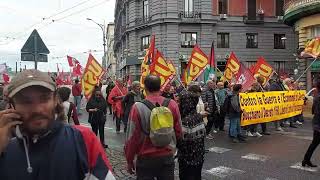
[306, 69]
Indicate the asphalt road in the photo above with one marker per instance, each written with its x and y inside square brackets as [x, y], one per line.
[274, 157]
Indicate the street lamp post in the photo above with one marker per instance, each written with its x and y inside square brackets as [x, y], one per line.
[102, 26]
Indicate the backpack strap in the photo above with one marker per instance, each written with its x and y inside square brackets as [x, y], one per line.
[166, 102]
[149, 104]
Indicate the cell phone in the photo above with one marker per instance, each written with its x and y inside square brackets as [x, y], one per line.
[17, 129]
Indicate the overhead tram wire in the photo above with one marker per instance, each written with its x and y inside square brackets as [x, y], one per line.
[22, 33]
[80, 11]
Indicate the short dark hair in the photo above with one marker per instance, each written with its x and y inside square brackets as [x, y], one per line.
[225, 84]
[194, 88]
[64, 93]
[152, 83]
[237, 87]
[76, 81]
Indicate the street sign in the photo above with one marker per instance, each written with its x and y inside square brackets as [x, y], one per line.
[34, 49]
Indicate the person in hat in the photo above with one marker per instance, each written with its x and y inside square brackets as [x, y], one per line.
[45, 147]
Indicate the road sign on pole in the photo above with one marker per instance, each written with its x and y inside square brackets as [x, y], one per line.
[34, 49]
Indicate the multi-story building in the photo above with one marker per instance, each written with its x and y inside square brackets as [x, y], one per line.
[110, 59]
[304, 17]
[249, 28]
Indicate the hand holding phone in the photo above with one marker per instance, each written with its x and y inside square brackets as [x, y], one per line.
[8, 119]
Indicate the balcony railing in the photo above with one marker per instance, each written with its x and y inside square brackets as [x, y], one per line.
[295, 4]
[190, 14]
[142, 20]
[258, 19]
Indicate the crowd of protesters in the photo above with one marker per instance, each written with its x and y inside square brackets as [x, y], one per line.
[199, 111]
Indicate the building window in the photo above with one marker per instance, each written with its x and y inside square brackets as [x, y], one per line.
[252, 9]
[279, 7]
[145, 42]
[315, 31]
[223, 40]
[188, 40]
[223, 6]
[188, 6]
[145, 9]
[279, 66]
[252, 40]
[279, 43]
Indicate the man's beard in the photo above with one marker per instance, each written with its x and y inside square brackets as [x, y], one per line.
[35, 116]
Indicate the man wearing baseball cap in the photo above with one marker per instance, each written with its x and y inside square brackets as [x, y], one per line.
[45, 147]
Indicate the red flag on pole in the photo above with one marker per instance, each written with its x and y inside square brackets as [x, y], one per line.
[245, 77]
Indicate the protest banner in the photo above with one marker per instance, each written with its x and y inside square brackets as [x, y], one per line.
[196, 65]
[91, 76]
[263, 107]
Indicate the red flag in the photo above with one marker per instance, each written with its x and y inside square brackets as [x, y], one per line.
[72, 61]
[245, 77]
[6, 78]
[75, 65]
[263, 69]
[196, 65]
[77, 70]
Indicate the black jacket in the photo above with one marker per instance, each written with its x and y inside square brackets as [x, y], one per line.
[128, 102]
[99, 103]
[316, 113]
[64, 153]
[208, 96]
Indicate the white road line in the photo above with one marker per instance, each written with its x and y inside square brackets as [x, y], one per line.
[303, 137]
[299, 166]
[255, 157]
[269, 178]
[223, 171]
[219, 150]
[89, 126]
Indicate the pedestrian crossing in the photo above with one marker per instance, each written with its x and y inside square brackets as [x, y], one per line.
[255, 157]
[300, 167]
[225, 172]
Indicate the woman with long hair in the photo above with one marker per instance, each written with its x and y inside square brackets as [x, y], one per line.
[97, 108]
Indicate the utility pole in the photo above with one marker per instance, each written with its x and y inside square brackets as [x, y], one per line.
[103, 28]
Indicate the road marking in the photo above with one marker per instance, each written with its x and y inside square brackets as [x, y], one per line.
[295, 135]
[286, 133]
[89, 126]
[223, 171]
[269, 178]
[219, 150]
[255, 157]
[310, 138]
[299, 166]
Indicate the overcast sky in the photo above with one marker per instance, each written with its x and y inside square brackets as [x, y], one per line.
[71, 35]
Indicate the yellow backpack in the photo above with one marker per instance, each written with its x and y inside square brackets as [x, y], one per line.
[161, 123]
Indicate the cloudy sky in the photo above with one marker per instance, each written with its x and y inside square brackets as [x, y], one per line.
[69, 34]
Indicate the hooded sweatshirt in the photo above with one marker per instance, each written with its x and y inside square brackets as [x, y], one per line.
[64, 152]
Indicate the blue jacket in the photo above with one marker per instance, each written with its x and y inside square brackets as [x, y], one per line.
[64, 153]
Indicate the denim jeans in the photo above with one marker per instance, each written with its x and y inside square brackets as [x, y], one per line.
[77, 102]
[235, 128]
